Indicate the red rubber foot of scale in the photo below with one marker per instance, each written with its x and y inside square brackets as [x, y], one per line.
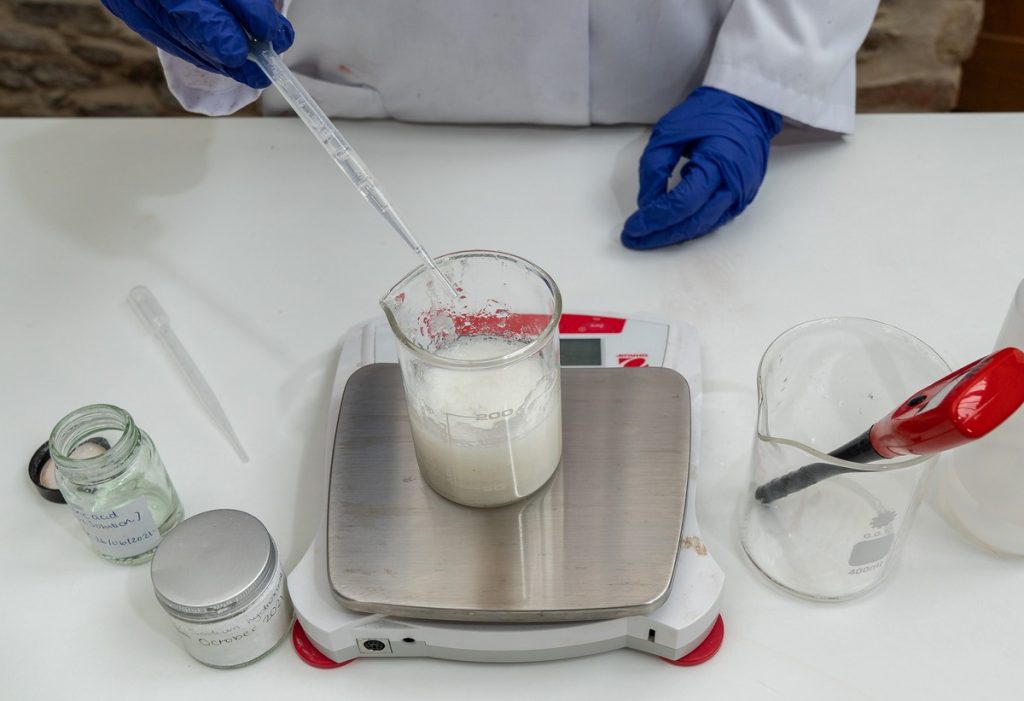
[308, 652]
[706, 650]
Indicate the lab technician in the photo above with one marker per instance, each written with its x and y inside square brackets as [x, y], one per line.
[715, 77]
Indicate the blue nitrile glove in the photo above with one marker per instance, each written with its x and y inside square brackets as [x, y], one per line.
[210, 34]
[726, 141]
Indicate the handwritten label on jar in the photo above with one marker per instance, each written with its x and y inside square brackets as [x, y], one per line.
[244, 637]
[125, 531]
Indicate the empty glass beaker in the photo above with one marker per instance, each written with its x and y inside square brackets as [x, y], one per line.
[481, 375]
[821, 384]
[980, 488]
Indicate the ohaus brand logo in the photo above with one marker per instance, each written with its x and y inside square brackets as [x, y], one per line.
[632, 360]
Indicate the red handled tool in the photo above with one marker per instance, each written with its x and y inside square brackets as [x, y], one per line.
[963, 406]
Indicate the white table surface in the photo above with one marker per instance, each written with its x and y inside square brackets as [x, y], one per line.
[264, 255]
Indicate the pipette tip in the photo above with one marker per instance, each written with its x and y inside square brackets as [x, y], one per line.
[447, 284]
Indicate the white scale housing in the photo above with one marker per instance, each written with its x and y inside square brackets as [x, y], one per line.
[688, 616]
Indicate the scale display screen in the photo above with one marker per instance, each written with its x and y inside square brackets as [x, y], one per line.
[580, 351]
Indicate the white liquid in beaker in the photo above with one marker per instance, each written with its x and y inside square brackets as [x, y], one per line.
[486, 437]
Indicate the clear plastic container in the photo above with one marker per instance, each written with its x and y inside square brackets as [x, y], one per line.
[481, 375]
[980, 489]
[821, 384]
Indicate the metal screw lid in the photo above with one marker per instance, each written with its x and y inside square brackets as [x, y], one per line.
[212, 565]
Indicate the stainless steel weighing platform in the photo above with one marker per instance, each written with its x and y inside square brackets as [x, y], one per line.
[598, 541]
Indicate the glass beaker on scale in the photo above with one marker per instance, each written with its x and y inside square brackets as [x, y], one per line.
[481, 376]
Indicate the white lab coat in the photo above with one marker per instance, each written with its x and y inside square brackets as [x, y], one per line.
[571, 62]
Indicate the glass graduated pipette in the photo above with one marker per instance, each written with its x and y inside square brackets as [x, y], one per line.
[157, 321]
[338, 147]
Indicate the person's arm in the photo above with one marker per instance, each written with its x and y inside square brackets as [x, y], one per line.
[203, 46]
[203, 92]
[794, 57]
[772, 59]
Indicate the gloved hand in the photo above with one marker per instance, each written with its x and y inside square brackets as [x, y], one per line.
[210, 34]
[726, 141]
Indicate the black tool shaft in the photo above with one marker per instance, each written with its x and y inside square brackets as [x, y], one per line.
[858, 450]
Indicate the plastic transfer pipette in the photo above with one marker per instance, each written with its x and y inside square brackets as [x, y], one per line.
[338, 147]
[156, 319]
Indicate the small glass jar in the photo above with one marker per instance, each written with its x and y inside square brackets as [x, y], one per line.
[219, 577]
[122, 496]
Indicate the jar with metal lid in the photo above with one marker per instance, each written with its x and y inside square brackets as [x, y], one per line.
[219, 577]
[110, 474]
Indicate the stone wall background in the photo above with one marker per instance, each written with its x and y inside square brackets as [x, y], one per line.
[911, 59]
[71, 57]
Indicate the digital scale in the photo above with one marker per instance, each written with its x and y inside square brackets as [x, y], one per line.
[607, 555]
